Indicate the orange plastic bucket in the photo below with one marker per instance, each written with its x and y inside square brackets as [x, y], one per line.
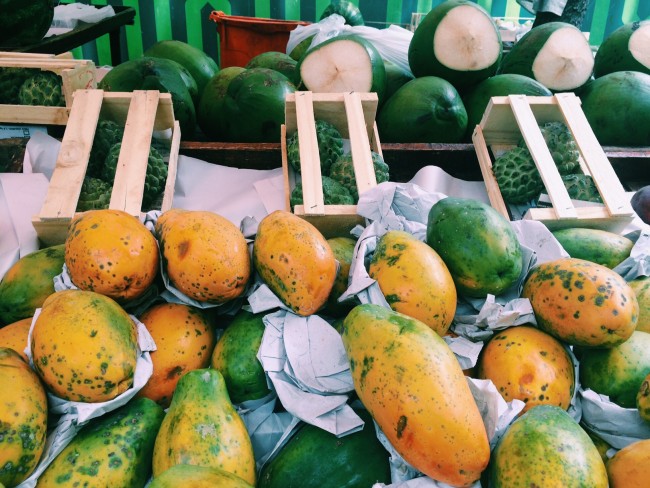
[241, 38]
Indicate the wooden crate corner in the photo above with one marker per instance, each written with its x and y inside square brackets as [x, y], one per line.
[507, 119]
[141, 113]
[353, 114]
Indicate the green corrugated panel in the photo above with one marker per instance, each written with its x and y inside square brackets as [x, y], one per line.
[599, 22]
[394, 12]
[193, 17]
[292, 9]
[133, 32]
[103, 44]
[630, 11]
[163, 20]
[263, 9]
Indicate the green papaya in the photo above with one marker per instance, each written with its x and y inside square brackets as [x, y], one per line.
[546, 447]
[112, 450]
[477, 244]
[197, 477]
[235, 357]
[280, 62]
[625, 49]
[27, 284]
[597, 246]
[356, 460]
[210, 111]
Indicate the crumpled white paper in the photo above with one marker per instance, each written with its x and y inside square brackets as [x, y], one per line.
[638, 264]
[75, 415]
[497, 415]
[69, 16]
[614, 424]
[306, 363]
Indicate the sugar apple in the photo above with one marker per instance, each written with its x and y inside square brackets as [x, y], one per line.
[333, 193]
[95, 194]
[582, 187]
[330, 146]
[154, 183]
[343, 172]
[517, 176]
[11, 79]
[562, 147]
[44, 88]
[107, 135]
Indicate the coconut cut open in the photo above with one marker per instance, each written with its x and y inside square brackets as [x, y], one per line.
[639, 44]
[336, 67]
[565, 61]
[466, 40]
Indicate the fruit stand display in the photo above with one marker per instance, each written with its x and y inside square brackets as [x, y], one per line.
[366, 332]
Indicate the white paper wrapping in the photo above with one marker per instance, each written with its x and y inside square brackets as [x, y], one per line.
[75, 415]
[614, 424]
[638, 264]
[306, 363]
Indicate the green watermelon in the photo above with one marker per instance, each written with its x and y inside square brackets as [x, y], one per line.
[556, 54]
[341, 64]
[396, 77]
[349, 11]
[476, 98]
[210, 109]
[457, 41]
[201, 66]
[625, 49]
[426, 109]
[23, 23]
[280, 62]
[617, 106]
[155, 74]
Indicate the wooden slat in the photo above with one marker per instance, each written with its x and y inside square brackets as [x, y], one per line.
[168, 196]
[542, 156]
[50, 64]
[72, 161]
[33, 114]
[364, 171]
[288, 185]
[485, 163]
[117, 106]
[81, 77]
[595, 217]
[610, 188]
[310, 169]
[128, 187]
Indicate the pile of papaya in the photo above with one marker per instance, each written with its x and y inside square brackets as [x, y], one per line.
[184, 428]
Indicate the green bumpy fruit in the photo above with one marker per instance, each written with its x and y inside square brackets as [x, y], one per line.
[44, 88]
[95, 194]
[582, 187]
[333, 193]
[11, 79]
[107, 135]
[562, 146]
[343, 172]
[517, 176]
[330, 146]
[155, 180]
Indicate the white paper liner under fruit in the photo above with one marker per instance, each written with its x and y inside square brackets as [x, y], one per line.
[75, 415]
[307, 366]
[638, 263]
[497, 415]
[614, 424]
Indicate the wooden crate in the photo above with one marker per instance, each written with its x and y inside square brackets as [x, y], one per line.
[141, 113]
[507, 119]
[353, 114]
[75, 75]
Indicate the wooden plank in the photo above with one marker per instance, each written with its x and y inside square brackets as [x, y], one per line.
[542, 156]
[485, 163]
[310, 169]
[595, 217]
[117, 106]
[33, 114]
[81, 77]
[49, 64]
[288, 185]
[364, 171]
[72, 161]
[128, 187]
[610, 188]
[172, 166]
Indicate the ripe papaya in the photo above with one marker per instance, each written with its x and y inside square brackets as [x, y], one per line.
[343, 249]
[530, 365]
[404, 374]
[112, 450]
[14, 336]
[184, 341]
[197, 477]
[643, 399]
[476, 243]
[295, 261]
[23, 418]
[630, 467]
[581, 302]
[27, 284]
[84, 346]
[205, 255]
[203, 428]
[414, 280]
[546, 447]
[641, 287]
[112, 253]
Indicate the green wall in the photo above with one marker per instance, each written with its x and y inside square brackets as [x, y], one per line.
[188, 20]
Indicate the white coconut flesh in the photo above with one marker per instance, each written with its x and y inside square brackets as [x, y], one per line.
[639, 44]
[565, 61]
[466, 40]
[338, 67]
